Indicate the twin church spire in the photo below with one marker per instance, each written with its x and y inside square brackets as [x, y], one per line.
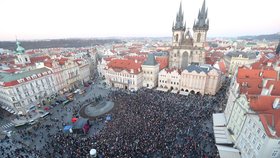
[202, 21]
[179, 25]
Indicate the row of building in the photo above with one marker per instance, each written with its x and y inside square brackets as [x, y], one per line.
[132, 75]
[181, 70]
[250, 124]
[33, 81]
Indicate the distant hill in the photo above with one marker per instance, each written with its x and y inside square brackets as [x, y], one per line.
[56, 43]
[269, 37]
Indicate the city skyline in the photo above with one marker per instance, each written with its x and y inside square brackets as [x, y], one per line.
[92, 19]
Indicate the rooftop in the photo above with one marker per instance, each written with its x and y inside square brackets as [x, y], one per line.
[12, 79]
[262, 88]
[125, 64]
[150, 60]
[269, 116]
[250, 55]
[198, 69]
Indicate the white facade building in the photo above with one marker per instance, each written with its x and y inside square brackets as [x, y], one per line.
[150, 72]
[20, 92]
[169, 79]
[252, 113]
[203, 79]
[235, 59]
[66, 74]
[124, 73]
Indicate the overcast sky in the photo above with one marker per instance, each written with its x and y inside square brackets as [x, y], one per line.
[41, 19]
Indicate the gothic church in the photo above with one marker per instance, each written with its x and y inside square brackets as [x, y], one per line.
[186, 49]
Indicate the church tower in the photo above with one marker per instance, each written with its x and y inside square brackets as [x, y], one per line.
[278, 48]
[22, 58]
[178, 29]
[200, 27]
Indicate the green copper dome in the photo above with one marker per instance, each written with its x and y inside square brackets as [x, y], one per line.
[20, 49]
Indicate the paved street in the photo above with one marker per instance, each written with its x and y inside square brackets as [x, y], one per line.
[6, 125]
[34, 137]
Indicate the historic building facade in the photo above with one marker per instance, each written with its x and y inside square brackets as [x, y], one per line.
[186, 49]
[203, 79]
[235, 59]
[150, 72]
[169, 79]
[20, 92]
[252, 112]
[21, 57]
[124, 74]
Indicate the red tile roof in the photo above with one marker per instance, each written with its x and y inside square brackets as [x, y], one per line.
[39, 59]
[270, 117]
[108, 58]
[125, 64]
[62, 61]
[222, 67]
[250, 80]
[163, 61]
[169, 70]
[276, 87]
[48, 63]
[140, 58]
[11, 70]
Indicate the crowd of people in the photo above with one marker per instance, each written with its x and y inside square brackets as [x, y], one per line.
[149, 123]
[146, 123]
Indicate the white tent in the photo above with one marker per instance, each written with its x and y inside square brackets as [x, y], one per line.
[228, 152]
[93, 153]
[219, 120]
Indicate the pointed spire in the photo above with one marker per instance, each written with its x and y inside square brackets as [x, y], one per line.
[179, 25]
[202, 21]
[203, 6]
[180, 9]
[278, 48]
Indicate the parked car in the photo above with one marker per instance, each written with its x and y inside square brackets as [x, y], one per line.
[32, 122]
[46, 114]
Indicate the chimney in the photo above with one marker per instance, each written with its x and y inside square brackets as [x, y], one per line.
[270, 89]
[131, 71]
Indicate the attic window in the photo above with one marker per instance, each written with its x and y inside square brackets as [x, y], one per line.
[261, 73]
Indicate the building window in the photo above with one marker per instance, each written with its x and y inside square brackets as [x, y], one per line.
[254, 141]
[259, 130]
[249, 137]
[275, 153]
[176, 37]
[198, 37]
[263, 136]
[259, 147]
